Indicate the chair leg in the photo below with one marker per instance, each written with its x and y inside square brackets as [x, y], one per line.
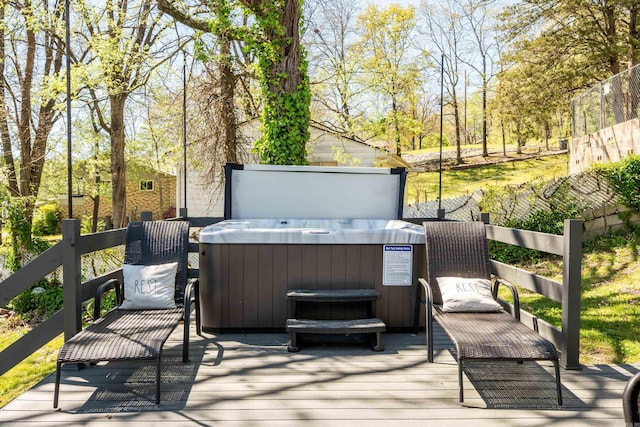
[558, 384]
[198, 319]
[185, 341]
[460, 385]
[57, 386]
[429, 332]
[158, 369]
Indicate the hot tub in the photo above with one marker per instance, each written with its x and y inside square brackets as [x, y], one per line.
[247, 264]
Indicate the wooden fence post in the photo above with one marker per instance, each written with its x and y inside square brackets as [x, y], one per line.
[571, 294]
[71, 278]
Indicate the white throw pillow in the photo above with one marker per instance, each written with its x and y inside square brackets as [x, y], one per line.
[149, 286]
[462, 294]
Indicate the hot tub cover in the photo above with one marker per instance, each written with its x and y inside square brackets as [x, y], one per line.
[313, 231]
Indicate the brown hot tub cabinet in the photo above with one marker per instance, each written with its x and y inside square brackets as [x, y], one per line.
[305, 227]
[244, 286]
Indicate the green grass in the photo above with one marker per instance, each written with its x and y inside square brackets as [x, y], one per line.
[465, 181]
[30, 371]
[610, 312]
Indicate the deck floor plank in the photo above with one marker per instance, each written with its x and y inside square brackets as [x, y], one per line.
[251, 380]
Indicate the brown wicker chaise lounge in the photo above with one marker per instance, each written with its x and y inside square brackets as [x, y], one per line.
[631, 401]
[139, 334]
[460, 249]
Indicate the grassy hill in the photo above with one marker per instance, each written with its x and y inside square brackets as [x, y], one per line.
[462, 181]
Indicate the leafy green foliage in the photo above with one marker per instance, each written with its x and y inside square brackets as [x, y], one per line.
[40, 300]
[285, 89]
[46, 219]
[624, 178]
[549, 221]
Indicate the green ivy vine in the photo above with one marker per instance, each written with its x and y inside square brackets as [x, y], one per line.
[286, 115]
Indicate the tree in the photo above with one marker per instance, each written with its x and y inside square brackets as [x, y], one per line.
[126, 38]
[388, 68]
[31, 55]
[334, 65]
[602, 35]
[482, 50]
[282, 72]
[444, 30]
[274, 39]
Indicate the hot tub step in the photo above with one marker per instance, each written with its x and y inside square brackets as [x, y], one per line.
[333, 295]
[355, 326]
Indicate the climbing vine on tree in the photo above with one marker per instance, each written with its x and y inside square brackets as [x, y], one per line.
[284, 82]
[273, 38]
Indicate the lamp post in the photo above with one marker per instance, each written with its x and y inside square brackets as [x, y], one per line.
[184, 211]
[440, 210]
[68, 71]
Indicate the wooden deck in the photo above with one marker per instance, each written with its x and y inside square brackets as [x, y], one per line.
[251, 380]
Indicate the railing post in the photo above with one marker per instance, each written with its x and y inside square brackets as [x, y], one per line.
[183, 213]
[571, 294]
[484, 217]
[71, 278]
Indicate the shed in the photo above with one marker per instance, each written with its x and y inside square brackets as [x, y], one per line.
[325, 148]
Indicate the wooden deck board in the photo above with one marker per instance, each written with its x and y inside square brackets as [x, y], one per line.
[251, 379]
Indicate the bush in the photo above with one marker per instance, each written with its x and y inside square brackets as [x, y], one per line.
[624, 178]
[46, 219]
[41, 300]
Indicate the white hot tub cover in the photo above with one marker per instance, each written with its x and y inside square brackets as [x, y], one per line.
[268, 191]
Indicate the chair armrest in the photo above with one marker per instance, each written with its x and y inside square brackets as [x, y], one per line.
[102, 288]
[514, 294]
[428, 302]
[428, 293]
[189, 297]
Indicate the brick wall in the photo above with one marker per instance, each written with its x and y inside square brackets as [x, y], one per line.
[158, 200]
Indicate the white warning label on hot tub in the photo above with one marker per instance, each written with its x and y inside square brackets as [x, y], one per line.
[397, 265]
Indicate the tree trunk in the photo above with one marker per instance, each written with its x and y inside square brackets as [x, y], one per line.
[7, 150]
[94, 213]
[118, 170]
[504, 139]
[456, 118]
[485, 151]
[229, 123]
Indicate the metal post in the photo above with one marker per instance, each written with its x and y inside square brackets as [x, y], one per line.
[146, 216]
[571, 294]
[71, 278]
[441, 126]
[67, 48]
[184, 127]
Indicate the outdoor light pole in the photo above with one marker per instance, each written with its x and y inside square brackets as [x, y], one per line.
[184, 126]
[440, 211]
[68, 71]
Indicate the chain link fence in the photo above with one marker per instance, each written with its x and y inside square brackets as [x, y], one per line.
[615, 100]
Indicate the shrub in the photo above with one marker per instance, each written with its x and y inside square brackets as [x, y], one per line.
[41, 300]
[624, 178]
[46, 219]
[549, 220]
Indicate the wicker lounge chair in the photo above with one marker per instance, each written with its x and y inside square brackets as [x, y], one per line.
[460, 249]
[139, 334]
[631, 401]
